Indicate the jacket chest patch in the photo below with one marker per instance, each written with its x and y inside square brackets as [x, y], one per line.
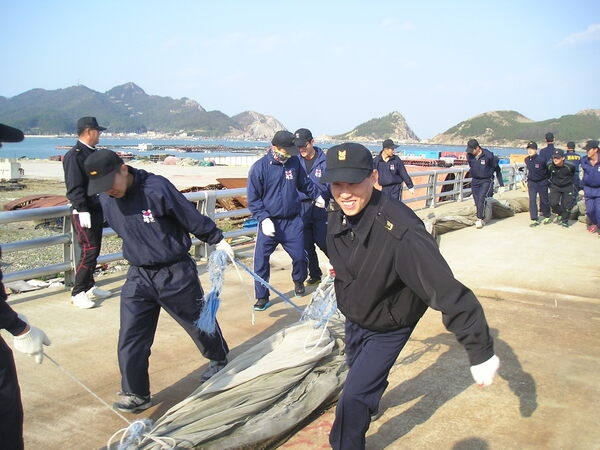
[289, 174]
[318, 173]
[392, 167]
[147, 216]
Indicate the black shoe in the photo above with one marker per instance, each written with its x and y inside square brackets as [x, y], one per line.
[299, 288]
[313, 280]
[262, 304]
[213, 368]
[132, 403]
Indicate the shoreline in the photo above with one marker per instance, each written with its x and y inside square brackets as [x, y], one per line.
[181, 176]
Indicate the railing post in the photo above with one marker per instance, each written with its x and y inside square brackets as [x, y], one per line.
[207, 206]
[431, 200]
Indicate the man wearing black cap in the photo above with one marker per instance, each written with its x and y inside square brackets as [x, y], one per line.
[537, 185]
[26, 339]
[590, 166]
[312, 159]
[574, 159]
[484, 164]
[548, 150]
[560, 189]
[87, 213]
[388, 271]
[154, 220]
[273, 199]
[391, 171]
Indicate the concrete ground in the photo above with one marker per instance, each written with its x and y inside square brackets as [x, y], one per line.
[540, 289]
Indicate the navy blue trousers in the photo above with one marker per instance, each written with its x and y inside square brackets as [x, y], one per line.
[315, 234]
[89, 240]
[537, 189]
[481, 190]
[290, 234]
[370, 355]
[11, 408]
[175, 288]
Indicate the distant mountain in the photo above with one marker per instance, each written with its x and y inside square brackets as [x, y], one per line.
[392, 126]
[127, 109]
[512, 129]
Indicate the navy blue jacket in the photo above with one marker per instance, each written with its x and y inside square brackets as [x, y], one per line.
[546, 152]
[391, 175]
[155, 220]
[9, 320]
[76, 179]
[591, 177]
[317, 170]
[484, 167]
[537, 168]
[272, 188]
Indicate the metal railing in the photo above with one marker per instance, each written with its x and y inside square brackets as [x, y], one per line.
[442, 186]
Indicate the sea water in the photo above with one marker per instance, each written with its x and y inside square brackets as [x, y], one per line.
[47, 147]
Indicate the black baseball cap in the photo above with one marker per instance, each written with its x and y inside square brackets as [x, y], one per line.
[532, 144]
[549, 137]
[285, 140]
[571, 144]
[302, 136]
[88, 122]
[101, 167]
[592, 143]
[10, 134]
[347, 163]
[388, 143]
[558, 153]
[472, 145]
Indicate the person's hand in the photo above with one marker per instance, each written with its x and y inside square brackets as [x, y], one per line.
[85, 219]
[32, 342]
[268, 227]
[224, 246]
[484, 373]
[501, 190]
[411, 190]
[320, 202]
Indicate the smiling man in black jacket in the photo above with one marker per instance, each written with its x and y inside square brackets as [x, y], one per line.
[388, 271]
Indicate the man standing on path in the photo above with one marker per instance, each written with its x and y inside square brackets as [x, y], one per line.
[484, 164]
[537, 186]
[87, 215]
[312, 160]
[26, 339]
[548, 150]
[388, 271]
[154, 220]
[274, 185]
[574, 159]
[391, 171]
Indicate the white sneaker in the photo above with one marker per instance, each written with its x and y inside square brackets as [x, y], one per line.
[82, 301]
[95, 291]
[479, 223]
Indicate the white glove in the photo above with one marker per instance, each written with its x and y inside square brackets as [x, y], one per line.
[320, 202]
[411, 190]
[31, 343]
[224, 245]
[85, 219]
[483, 373]
[268, 227]
[501, 190]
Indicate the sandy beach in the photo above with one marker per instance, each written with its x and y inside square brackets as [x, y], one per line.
[182, 176]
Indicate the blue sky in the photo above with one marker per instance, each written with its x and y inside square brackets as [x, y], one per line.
[324, 65]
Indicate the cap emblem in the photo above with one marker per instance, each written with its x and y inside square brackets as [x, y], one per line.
[342, 155]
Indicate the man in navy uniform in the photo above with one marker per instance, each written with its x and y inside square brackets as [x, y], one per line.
[484, 164]
[574, 159]
[388, 271]
[391, 171]
[312, 159]
[274, 183]
[154, 220]
[26, 339]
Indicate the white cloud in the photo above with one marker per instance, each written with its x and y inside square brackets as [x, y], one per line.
[591, 34]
